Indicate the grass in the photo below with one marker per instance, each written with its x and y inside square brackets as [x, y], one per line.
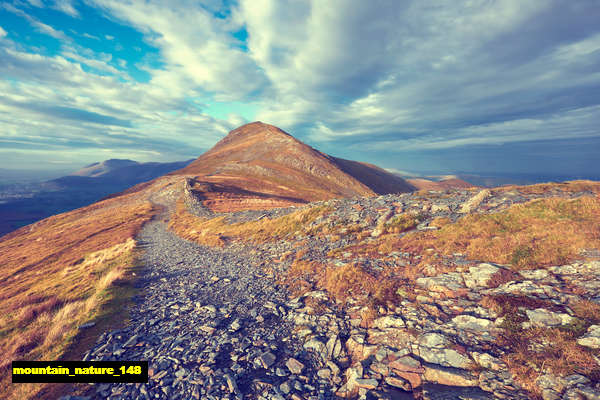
[60, 273]
[538, 233]
[542, 188]
[343, 282]
[501, 277]
[216, 232]
[534, 351]
[403, 222]
[587, 310]
[543, 232]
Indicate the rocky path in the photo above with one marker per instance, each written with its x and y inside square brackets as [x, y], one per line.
[211, 325]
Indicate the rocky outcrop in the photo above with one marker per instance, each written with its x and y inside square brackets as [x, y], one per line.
[443, 337]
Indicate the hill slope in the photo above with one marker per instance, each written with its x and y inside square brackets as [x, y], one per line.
[79, 189]
[445, 184]
[258, 164]
[101, 168]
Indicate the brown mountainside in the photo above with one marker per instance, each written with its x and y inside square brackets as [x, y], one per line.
[451, 183]
[259, 165]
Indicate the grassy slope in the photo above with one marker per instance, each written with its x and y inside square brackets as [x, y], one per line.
[59, 273]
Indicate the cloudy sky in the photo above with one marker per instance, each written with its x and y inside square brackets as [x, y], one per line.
[477, 85]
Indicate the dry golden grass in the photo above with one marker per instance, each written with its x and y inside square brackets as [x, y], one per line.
[343, 282]
[403, 222]
[587, 310]
[556, 352]
[509, 305]
[439, 222]
[216, 232]
[60, 273]
[541, 188]
[501, 277]
[534, 351]
[538, 233]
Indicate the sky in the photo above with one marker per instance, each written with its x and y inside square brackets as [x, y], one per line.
[447, 85]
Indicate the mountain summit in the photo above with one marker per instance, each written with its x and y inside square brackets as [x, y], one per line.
[259, 158]
[102, 168]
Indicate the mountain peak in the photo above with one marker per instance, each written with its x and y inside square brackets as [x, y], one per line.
[102, 168]
[258, 159]
[255, 131]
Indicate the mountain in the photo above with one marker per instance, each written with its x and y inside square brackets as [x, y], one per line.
[444, 184]
[381, 290]
[113, 175]
[259, 164]
[102, 168]
[25, 204]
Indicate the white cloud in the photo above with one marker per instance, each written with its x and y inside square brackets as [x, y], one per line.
[87, 35]
[2, 33]
[196, 47]
[376, 75]
[40, 26]
[387, 69]
[54, 104]
[93, 63]
[66, 6]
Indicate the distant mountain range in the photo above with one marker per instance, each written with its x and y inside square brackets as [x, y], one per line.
[492, 179]
[23, 204]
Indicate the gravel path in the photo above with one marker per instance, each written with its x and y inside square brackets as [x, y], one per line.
[211, 325]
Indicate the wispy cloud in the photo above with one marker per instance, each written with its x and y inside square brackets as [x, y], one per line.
[369, 76]
[38, 25]
[66, 6]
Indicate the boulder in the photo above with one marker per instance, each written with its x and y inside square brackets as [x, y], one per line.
[450, 376]
[409, 369]
[389, 321]
[549, 319]
[488, 361]
[474, 201]
[294, 366]
[479, 275]
[591, 338]
[398, 382]
[468, 322]
[358, 349]
[436, 349]
[450, 284]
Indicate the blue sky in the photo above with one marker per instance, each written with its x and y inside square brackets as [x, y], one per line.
[477, 86]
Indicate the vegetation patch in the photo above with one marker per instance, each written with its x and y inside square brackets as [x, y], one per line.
[343, 282]
[543, 188]
[535, 351]
[501, 277]
[403, 222]
[586, 310]
[542, 232]
[60, 273]
[504, 304]
[217, 232]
